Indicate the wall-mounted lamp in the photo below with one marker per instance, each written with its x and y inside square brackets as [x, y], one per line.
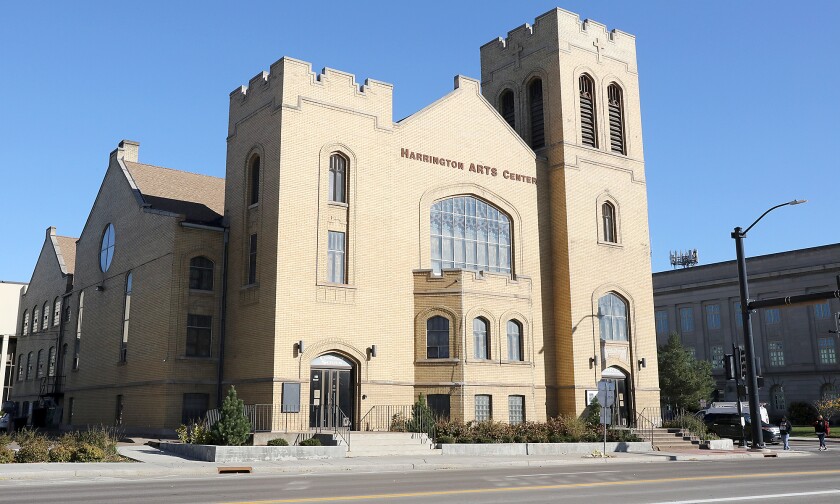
[642, 363]
[593, 362]
[372, 350]
[100, 288]
[299, 347]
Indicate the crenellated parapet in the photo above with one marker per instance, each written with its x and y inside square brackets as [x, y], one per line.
[290, 83]
[563, 30]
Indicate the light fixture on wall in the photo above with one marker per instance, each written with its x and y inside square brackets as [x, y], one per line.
[299, 347]
[642, 363]
[593, 362]
[100, 288]
[372, 350]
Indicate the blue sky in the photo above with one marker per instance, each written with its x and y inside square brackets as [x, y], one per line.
[739, 103]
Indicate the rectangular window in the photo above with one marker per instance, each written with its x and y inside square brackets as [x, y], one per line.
[822, 311]
[194, 407]
[198, 335]
[739, 318]
[291, 398]
[686, 320]
[252, 260]
[662, 323]
[772, 315]
[118, 417]
[516, 409]
[713, 317]
[483, 408]
[335, 257]
[717, 356]
[777, 353]
[828, 353]
[439, 404]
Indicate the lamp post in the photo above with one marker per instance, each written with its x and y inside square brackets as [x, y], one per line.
[752, 379]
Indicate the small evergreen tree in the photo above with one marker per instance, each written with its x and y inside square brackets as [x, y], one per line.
[594, 415]
[233, 427]
[422, 418]
[683, 380]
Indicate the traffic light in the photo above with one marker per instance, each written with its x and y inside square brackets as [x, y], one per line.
[729, 366]
[741, 357]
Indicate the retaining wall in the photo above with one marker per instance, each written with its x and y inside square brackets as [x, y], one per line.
[211, 453]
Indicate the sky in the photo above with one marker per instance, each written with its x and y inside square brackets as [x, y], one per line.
[739, 100]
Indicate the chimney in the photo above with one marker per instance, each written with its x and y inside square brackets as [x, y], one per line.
[130, 150]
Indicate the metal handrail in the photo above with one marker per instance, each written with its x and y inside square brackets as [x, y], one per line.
[414, 418]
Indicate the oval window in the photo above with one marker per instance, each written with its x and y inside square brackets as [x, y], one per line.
[106, 251]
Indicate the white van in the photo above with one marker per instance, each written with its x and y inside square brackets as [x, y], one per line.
[732, 407]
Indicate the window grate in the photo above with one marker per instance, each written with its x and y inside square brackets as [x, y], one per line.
[535, 95]
[507, 109]
[587, 111]
[616, 112]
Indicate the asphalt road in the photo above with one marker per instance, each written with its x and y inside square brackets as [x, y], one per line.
[814, 479]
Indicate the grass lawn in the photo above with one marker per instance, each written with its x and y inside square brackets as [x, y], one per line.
[808, 431]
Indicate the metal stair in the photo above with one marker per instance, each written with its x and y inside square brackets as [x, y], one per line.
[664, 439]
[373, 444]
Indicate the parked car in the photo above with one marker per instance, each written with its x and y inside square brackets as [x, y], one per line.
[4, 423]
[728, 425]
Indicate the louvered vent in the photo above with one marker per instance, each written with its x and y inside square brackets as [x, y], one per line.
[535, 96]
[507, 109]
[587, 112]
[616, 119]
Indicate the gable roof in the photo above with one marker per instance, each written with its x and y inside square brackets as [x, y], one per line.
[66, 251]
[199, 198]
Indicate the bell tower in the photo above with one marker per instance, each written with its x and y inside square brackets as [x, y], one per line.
[570, 89]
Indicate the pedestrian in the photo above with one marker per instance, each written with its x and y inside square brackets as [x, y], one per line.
[785, 428]
[822, 429]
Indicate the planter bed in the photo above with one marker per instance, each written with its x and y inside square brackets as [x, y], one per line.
[212, 453]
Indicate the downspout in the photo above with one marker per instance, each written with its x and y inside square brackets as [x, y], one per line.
[223, 321]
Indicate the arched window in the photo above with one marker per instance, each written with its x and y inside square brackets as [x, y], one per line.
[827, 391]
[51, 362]
[129, 279]
[25, 329]
[106, 249]
[588, 130]
[338, 178]
[39, 369]
[20, 367]
[437, 338]
[612, 314]
[608, 217]
[506, 107]
[468, 233]
[481, 338]
[77, 347]
[36, 314]
[201, 273]
[29, 366]
[535, 102]
[514, 341]
[616, 107]
[56, 311]
[254, 181]
[46, 313]
[777, 398]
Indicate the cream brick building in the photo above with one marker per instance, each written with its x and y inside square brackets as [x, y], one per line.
[490, 251]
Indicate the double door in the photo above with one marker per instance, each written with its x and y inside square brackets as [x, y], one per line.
[331, 397]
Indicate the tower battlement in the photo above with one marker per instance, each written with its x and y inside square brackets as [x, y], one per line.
[564, 30]
[289, 82]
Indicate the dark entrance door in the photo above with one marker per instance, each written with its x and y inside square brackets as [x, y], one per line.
[619, 400]
[331, 392]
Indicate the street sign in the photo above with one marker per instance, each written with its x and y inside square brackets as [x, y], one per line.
[606, 397]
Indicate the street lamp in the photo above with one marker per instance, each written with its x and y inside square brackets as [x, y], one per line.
[752, 379]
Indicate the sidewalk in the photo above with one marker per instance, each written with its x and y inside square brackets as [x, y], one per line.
[152, 463]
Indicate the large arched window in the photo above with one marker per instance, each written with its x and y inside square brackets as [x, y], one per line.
[201, 273]
[56, 311]
[25, 328]
[77, 346]
[39, 369]
[46, 316]
[616, 102]
[254, 181]
[126, 314]
[608, 218]
[535, 103]
[481, 338]
[507, 108]
[29, 366]
[468, 233]
[612, 314]
[777, 398]
[437, 338]
[51, 362]
[514, 341]
[20, 367]
[36, 314]
[106, 248]
[588, 130]
[338, 178]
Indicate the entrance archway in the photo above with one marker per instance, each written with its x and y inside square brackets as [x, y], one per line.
[332, 386]
[619, 399]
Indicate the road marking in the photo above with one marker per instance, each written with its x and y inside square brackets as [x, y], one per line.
[753, 497]
[558, 474]
[405, 495]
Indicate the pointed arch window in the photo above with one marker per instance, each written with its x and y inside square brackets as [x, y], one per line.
[616, 109]
[437, 338]
[338, 178]
[588, 130]
[129, 279]
[25, 329]
[20, 368]
[514, 340]
[77, 346]
[535, 103]
[36, 314]
[612, 314]
[201, 273]
[481, 338]
[608, 217]
[777, 398]
[46, 314]
[51, 362]
[56, 311]
[468, 233]
[507, 108]
[254, 181]
[39, 369]
[29, 366]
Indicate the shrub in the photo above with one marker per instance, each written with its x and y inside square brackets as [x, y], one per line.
[689, 423]
[802, 413]
[34, 447]
[311, 442]
[278, 442]
[7, 455]
[422, 419]
[87, 452]
[62, 453]
[195, 433]
[593, 416]
[102, 437]
[233, 427]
